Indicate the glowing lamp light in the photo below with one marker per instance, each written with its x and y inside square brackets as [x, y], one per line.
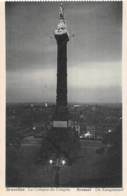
[51, 161]
[34, 128]
[63, 162]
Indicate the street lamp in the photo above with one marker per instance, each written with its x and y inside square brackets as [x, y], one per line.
[63, 162]
[51, 161]
[57, 164]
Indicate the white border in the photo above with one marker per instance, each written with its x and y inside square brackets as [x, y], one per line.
[98, 191]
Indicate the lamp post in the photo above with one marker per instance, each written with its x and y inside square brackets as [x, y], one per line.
[57, 164]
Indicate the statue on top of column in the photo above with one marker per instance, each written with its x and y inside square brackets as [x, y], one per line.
[61, 11]
[61, 26]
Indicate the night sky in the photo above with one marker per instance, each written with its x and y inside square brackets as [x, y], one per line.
[94, 53]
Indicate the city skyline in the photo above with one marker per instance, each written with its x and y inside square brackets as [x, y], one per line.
[94, 53]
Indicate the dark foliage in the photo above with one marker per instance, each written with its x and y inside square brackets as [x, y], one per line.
[60, 142]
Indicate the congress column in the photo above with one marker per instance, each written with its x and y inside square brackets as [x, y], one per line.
[62, 37]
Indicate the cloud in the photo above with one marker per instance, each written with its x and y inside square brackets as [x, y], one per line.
[94, 75]
[94, 54]
[110, 94]
[95, 82]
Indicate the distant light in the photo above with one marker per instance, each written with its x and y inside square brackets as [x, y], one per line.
[109, 131]
[76, 106]
[46, 105]
[34, 128]
[63, 162]
[51, 161]
[88, 134]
